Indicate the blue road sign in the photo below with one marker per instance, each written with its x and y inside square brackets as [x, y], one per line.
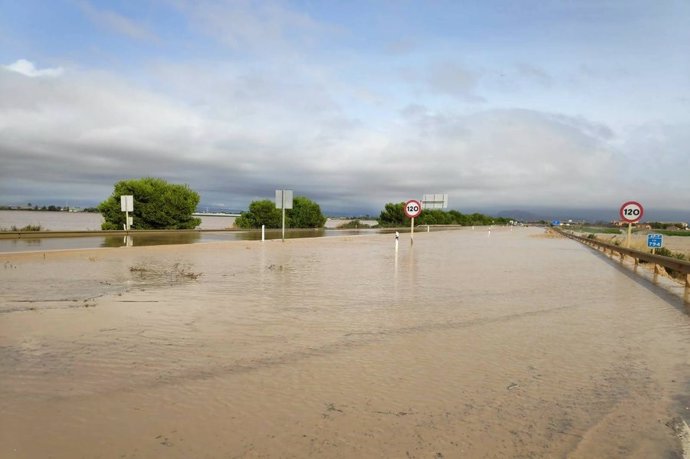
[655, 241]
[556, 223]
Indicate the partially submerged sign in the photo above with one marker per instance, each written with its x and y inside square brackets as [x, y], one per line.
[127, 206]
[284, 201]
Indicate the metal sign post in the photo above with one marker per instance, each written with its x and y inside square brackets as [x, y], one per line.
[655, 241]
[631, 212]
[284, 201]
[412, 209]
[127, 206]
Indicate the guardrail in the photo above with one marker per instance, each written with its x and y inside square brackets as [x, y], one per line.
[658, 261]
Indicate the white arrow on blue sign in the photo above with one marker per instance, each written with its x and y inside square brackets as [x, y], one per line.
[655, 241]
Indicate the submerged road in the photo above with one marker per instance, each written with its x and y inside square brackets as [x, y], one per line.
[465, 344]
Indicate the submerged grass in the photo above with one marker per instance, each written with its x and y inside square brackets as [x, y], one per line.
[23, 228]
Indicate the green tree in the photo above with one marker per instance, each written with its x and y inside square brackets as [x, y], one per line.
[157, 205]
[393, 215]
[262, 212]
[305, 213]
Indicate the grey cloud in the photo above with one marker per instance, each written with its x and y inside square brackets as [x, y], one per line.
[533, 73]
[400, 47]
[80, 133]
[453, 80]
[118, 23]
[256, 26]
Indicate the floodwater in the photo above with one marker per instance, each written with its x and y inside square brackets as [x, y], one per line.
[80, 221]
[465, 344]
[171, 238]
[83, 221]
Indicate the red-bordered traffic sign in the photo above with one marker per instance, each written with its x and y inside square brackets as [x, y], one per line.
[413, 208]
[631, 212]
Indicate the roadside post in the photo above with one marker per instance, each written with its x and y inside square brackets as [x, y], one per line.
[655, 241]
[631, 212]
[412, 209]
[127, 206]
[284, 201]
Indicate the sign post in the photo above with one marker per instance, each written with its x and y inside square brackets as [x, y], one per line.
[127, 206]
[655, 241]
[631, 212]
[284, 201]
[412, 209]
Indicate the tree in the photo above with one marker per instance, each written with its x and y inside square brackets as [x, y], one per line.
[393, 215]
[157, 205]
[262, 212]
[305, 213]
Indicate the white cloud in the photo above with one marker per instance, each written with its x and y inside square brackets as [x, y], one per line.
[272, 98]
[92, 129]
[27, 68]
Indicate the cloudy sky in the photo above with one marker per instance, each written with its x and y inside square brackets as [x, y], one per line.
[499, 103]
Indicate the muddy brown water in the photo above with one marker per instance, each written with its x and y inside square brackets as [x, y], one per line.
[463, 345]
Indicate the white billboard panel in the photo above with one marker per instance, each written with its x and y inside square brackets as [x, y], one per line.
[435, 201]
[284, 198]
[127, 203]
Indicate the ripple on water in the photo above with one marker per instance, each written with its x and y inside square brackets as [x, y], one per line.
[462, 345]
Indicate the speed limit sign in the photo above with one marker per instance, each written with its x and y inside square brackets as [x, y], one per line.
[413, 208]
[631, 211]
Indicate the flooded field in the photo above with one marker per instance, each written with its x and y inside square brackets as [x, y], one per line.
[465, 344]
[83, 221]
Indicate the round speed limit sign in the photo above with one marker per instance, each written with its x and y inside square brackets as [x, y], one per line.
[631, 211]
[413, 208]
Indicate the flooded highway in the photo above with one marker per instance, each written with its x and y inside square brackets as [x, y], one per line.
[465, 344]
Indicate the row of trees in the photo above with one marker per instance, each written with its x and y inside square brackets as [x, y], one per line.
[160, 205]
[393, 214]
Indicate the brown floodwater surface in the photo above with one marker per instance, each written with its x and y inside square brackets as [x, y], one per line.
[465, 344]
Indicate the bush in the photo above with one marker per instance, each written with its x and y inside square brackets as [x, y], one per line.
[353, 224]
[305, 213]
[664, 252]
[157, 205]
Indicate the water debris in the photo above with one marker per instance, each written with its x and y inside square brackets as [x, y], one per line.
[173, 273]
[332, 407]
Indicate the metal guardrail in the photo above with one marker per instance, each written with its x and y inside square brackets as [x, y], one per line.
[658, 261]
